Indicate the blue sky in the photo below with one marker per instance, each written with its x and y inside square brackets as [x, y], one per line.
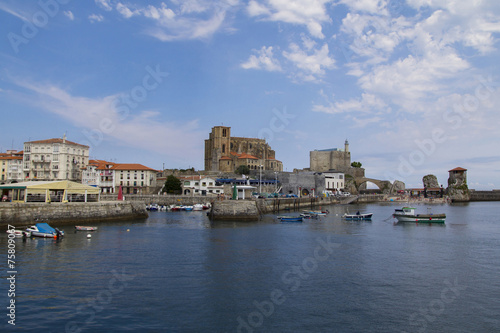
[413, 85]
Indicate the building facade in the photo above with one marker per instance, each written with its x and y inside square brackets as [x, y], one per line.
[54, 159]
[334, 181]
[134, 178]
[11, 167]
[99, 174]
[226, 153]
[200, 185]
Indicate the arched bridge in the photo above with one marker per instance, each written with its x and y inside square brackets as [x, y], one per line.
[384, 185]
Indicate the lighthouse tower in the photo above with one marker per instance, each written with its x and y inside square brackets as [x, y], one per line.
[346, 146]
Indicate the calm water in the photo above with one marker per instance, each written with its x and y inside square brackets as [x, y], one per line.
[177, 272]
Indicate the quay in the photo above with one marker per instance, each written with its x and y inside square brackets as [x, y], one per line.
[69, 213]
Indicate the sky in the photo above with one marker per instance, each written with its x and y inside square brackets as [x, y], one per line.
[412, 85]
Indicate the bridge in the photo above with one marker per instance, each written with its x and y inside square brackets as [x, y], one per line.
[383, 185]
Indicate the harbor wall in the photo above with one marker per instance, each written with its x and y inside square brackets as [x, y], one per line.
[165, 200]
[485, 195]
[69, 213]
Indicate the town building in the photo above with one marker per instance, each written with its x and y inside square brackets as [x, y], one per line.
[134, 178]
[226, 153]
[200, 185]
[98, 173]
[334, 181]
[11, 167]
[54, 159]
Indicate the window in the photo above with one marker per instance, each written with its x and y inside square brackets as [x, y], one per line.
[204, 184]
[196, 183]
[224, 132]
[223, 148]
[186, 183]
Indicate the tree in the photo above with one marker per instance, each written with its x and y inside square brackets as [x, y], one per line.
[172, 185]
[356, 164]
[242, 170]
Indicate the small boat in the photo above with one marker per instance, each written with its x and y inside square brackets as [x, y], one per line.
[19, 233]
[198, 207]
[187, 208]
[358, 216]
[152, 207]
[45, 231]
[407, 214]
[175, 208]
[290, 218]
[85, 228]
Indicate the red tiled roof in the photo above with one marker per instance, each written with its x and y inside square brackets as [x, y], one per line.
[247, 156]
[226, 158]
[130, 166]
[58, 140]
[458, 169]
[11, 158]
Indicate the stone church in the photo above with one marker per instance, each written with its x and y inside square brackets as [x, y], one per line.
[225, 153]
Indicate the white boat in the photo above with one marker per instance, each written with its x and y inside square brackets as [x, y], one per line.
[85, 228]
[45, 231]
[19, 233]
[407, 214]
[358, 216]
[198, 207]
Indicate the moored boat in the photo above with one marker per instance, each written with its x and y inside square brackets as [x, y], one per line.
[19, 233]
[358, 216]
[45, 231]
[407, 214]
[85, 228]
[290, 218]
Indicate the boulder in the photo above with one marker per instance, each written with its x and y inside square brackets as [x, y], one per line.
[430, 181]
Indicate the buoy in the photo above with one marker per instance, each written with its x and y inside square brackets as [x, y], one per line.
[89, 235]
[128, 229]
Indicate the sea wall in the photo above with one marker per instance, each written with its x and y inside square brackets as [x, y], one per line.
[166, 200]
[69, 213]
[485, 195]
[241, 210]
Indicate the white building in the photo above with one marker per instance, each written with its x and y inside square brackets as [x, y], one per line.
[99, 174]
[334, 181]
[200, 185]
[54, 159]
[133, 178]
[11, 167]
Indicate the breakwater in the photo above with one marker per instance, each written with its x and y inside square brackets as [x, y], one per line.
[485, 195]
[69, 213]
[166, 200]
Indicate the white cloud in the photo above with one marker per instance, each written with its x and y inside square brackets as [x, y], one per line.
[368, 103]
[125, 11]
[371, 6]
[139, 130]
[311, 65]
[310, 13]
[96, 18]
[69, 15]
[105, 4]
[263, 60]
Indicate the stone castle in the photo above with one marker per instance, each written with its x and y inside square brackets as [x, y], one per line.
[225, 153]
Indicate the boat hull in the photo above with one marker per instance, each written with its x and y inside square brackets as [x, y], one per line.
[358, 217]
[421, 218]
[290, 219]
[84, 228]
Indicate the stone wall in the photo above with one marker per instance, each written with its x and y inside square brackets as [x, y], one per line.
[166, 200]
[69, 213]
[485, 195]
[241, 210]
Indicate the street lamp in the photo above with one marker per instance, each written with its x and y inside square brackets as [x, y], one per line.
[275, 181]
[260, 179]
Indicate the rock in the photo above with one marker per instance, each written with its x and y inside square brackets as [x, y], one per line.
[430, 181]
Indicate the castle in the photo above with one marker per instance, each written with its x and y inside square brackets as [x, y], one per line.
[331, 159]
[225, 153]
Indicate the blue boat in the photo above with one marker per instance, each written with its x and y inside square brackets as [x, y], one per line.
[290, 218]
[44, 230]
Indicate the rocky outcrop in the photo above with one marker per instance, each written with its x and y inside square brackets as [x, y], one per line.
[239, 210]
[457, 189]
[397, 185]
[430, 181]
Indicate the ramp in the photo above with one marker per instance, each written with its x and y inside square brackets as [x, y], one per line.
[349, 200]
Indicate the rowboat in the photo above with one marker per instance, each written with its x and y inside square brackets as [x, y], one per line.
[290, 218]
[358, 216]
[407, 214]
[85, 228]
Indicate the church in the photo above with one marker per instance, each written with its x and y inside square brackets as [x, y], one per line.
[225, 153]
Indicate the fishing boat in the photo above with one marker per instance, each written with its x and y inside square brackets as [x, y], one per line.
[358, 216]
[85, 228]
[407, 214]
[290, 218]
[45, 231]
[198, 207]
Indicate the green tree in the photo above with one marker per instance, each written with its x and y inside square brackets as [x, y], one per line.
[172, 185]
[242, 170]
[356, 164]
